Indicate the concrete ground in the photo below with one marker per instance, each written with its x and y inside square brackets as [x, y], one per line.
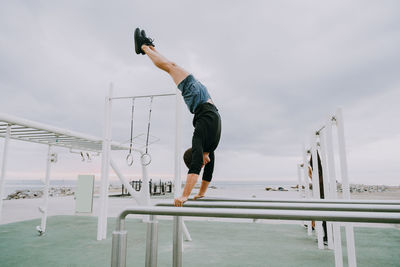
[70, 241]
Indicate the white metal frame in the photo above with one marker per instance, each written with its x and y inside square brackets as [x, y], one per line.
[12, 127]
[142, 198]
[322, 141]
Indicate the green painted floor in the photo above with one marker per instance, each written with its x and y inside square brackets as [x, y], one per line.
[70, 241]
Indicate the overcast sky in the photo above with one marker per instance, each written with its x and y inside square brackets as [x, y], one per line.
[275, 70]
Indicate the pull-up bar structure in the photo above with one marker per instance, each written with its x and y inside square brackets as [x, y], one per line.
[144, 198]
[321, 149]
[15, 128]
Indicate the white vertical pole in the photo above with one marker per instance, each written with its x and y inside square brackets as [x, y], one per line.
[315, 182]
[45, 206]
[102, 217]
[351, 249]
[177, 224]
[145, 194]
[330, 159]
[306, 186]
[4, 166]
[325, 178]
[299, 180]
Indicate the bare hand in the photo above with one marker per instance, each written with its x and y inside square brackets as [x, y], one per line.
[178, 202]
[198, 196]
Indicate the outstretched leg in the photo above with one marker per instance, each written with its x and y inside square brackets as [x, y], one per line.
[177, 73]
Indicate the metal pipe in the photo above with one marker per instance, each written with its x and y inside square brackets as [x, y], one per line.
[299, 183]
[291, 206]
[35, 125]
[301, 200]
[316, 189]
[140, 96]
[105, 164]
[119, 257]
[44, 209]
[124, 181]
[325, 177]
[119, 244]
[177, 242]
[351, 249]
[306, 186]
[4, 166]
[296, 215]
[151, 242]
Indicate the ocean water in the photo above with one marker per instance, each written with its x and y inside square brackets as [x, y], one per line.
[13, 185]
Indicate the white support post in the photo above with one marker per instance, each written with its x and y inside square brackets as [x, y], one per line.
[145, 194]
[299, 183]
[330, 160]
[177, 223]
[44, 209]
[325, 177]
[351, 249]
[4, 167]
[315, 182]
[306, 186]
[102, 216]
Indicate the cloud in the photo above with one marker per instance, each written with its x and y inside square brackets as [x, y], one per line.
[274, 69]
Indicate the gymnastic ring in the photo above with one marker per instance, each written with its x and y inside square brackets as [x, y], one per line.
[146, 159]
[129, 159]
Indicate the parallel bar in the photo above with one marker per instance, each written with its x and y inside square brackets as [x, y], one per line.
[119, 251]
[291, 206]
[301, 200]
[296, 215]
[140, 96]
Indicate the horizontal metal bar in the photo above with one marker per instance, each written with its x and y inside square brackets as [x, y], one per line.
[297, 215]
[33, 131]
[320, 129]
[303, 200]
[141, 96]
[39, 135]
[290, 206]
[19, 123]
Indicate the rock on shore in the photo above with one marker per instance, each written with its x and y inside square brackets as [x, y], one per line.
[53, 192]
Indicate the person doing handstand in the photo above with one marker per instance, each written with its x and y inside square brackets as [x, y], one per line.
[206, 121]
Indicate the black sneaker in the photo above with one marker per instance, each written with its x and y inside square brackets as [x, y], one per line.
[137, 38]
[141, 39]
[147, 40]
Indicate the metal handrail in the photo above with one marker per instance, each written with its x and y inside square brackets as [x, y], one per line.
[119, 241]
[303, 200]
[290, 206]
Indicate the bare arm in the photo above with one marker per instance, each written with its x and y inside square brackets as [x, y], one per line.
[190, 182]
